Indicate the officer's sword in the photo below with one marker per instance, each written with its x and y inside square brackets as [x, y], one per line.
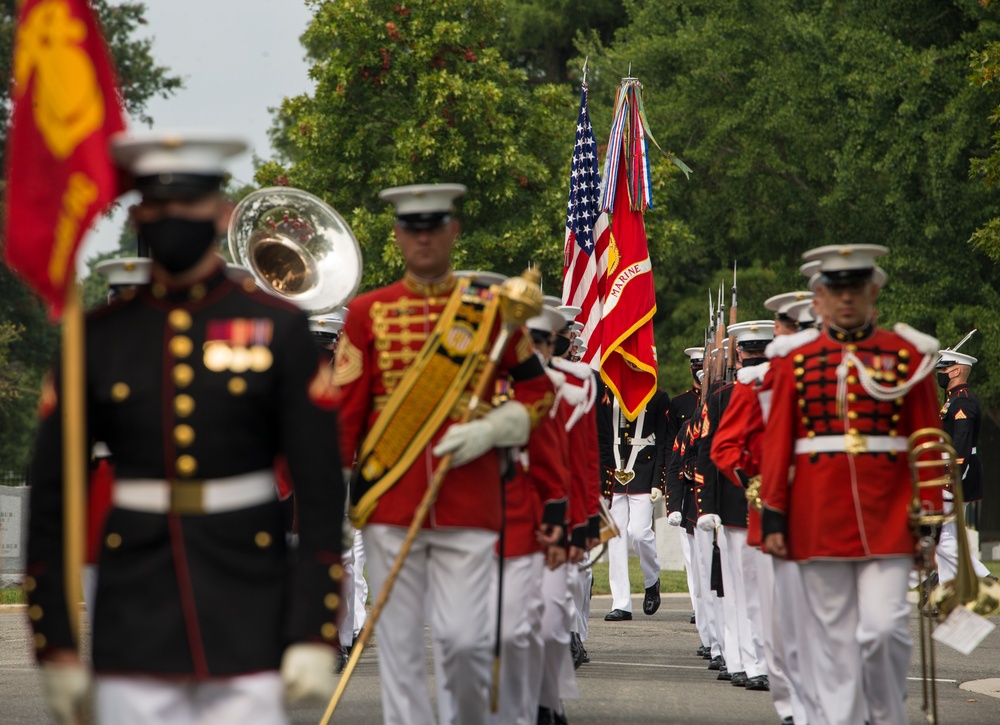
[520, 299]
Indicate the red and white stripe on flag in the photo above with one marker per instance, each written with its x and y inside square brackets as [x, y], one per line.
[587, 236]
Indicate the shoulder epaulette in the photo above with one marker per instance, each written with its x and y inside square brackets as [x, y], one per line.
[753, 374]
[924, 343]
[784, 344]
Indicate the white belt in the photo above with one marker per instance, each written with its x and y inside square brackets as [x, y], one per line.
[638, 442]
[853, 444]
[216, 495]
[974, 450]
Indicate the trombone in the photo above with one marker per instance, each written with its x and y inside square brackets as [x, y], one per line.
[931, 452]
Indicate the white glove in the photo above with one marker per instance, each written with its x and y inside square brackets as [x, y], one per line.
[655, 495]
[675, 518]
[506, 425]
[307, 671]
[709, 522]
[66, 688]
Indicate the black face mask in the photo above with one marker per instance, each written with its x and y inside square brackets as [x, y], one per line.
[561, 346]
[694, 376]
[943, 380]
[177, 244]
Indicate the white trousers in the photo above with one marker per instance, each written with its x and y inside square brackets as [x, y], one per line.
[447, 580]
[251, 699]
[740, 652]
[947, 555]
[709, 611]
[860, 641]
[633, 513]
[793, 653]
[580, 582]
[762, 621]
[520, 640]
[360, 584]
[558, 680]
[686, 550]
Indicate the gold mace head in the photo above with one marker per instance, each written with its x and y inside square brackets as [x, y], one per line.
[521, 297]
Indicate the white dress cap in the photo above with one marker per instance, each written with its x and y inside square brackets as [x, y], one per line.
[549, 320]
[801, 312]
[845, 262]
[759, 331]
[487, 279]
[423, 206]
[156, 152]
[779, 304]
[125, 270]
[331, 323]
[695, 353]
[949, 358]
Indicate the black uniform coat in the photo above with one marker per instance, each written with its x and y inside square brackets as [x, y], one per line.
[717, 494]
[651, 463]
[681, 408]
[201, 595]
[680, 490]
[961, 420]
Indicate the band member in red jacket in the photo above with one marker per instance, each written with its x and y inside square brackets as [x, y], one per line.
[406, 373]
[836, 486]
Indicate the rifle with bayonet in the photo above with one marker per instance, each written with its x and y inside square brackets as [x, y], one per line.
[731, 363]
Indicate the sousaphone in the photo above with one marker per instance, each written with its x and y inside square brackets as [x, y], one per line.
[297, 247]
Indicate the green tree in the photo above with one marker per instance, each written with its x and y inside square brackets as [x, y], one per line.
[418, 92]
[811, 122]
[30, 340]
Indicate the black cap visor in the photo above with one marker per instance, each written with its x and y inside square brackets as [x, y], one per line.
[423, 221]
[846, 277]
[181, 187]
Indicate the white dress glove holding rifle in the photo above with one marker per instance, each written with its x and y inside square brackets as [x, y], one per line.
[504, 426]
[66, 687]
[307, 671]
[709, 522]
[675, 518]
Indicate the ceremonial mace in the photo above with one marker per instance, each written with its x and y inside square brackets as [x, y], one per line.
[520, 300]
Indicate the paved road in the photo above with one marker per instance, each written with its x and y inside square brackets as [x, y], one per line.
[640, 672]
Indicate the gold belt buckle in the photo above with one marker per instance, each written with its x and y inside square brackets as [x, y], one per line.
[624, 476]
[187, 498]
[855, 443]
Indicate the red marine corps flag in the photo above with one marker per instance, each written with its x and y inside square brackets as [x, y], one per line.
[59, 174]
[628, 355]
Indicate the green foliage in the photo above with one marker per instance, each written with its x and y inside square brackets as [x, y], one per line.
[25, 355]
[809, 123]
[420, 93]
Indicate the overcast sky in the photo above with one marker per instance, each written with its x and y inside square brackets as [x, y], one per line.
[237, 58]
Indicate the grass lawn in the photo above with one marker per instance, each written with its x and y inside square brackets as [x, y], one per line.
[670, 581]
[12, 596]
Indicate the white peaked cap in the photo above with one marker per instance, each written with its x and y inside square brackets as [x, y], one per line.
[779, 304]
[949, 358]
[752, 331]
[695, 353]
[549, 320]
[801, 312]
[845, 261]
[483, 278]
[331, 323]
[423, 201]
[125, 270]
[180, 151]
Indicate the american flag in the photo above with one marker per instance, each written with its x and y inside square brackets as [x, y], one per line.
[587, 235]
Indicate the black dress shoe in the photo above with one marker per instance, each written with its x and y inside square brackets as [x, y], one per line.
[545, 716]
[724, 674]
[703, 650]
[760, 682]
[739, 679]
[693, 620]
[575, 652]
[708, 653]
[584, 657]
[618, 615]
[344, 655]
[787, 720]
[559, 719]
[717, 663]
[651, 602]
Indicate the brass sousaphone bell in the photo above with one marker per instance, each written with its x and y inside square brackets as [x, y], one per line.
[297, 247]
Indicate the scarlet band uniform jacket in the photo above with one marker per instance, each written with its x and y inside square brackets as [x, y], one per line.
[651, 462]
[843, 505]
[960, 420]
[202, 595]
[580, 397]
[539, 491]
[738, 441]
[717, 495]
[385, 330]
